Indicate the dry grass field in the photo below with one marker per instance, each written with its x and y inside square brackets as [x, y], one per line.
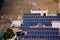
[14, 8]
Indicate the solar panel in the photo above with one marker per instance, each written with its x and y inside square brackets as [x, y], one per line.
[33, 19]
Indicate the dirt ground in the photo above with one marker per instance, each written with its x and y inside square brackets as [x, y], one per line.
[14, 8]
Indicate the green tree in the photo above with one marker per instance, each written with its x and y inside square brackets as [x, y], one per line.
[8, 34]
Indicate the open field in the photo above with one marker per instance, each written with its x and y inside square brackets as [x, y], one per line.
[14, 8]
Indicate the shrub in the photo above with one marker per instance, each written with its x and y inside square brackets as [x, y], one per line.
[8, 34]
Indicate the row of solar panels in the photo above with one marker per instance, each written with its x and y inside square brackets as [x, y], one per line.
[48, 29]
[38, 36]
[43, 29]
[37, 22]
[40, 19]
[32, 14]
[27, 15]
[43, 33]
[36, 16]
[49, 33]
[27, 27]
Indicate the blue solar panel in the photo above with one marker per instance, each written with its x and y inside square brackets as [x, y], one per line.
[58, 14]
[43, 33]
[52, 29]
[34, 19]
[37, 36]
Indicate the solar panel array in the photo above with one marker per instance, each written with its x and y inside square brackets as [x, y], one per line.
[36, 18]
[49, 33]
[39, 33]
